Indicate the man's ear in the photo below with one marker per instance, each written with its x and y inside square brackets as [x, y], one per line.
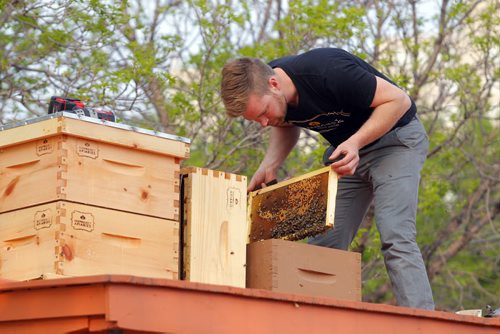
[273, 82]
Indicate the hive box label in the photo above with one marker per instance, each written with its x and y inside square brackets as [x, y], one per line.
[44, 146]
[87, 149]
[233, 198]
[82, 221]
[43, 219]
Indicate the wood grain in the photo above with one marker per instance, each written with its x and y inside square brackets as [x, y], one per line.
[70, 239]
[98, 132]
[215, 227]
[91, 172]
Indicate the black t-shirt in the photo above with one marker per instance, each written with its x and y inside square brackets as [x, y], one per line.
[335, 91]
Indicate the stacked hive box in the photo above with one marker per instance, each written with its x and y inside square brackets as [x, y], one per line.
[80, 196]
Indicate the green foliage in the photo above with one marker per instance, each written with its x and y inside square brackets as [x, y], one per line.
[469, 283]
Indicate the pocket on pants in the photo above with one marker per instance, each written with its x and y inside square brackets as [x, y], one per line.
[413, 135]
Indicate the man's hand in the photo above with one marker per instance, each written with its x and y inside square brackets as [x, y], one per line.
[346, 157]
[282, 140]
[389, 103]
[262, 176]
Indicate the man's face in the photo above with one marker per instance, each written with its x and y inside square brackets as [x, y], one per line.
[268, 110]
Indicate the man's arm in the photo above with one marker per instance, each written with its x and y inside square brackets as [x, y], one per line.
[282, 141]
[390, 103]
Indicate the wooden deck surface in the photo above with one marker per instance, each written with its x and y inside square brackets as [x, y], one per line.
[128, 304]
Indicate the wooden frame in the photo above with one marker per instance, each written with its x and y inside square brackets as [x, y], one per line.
[293, 209]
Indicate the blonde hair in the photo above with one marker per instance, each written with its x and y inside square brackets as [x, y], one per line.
[240, 78]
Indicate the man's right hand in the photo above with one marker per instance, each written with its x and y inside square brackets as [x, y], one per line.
[282, 141]
[262, 176]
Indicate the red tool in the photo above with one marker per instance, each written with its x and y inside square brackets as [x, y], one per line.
[76, 106]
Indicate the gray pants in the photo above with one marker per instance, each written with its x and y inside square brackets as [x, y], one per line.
[389, 174]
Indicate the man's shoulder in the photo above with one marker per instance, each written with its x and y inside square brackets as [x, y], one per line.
[281, 61]
[326, 53]
[316, 52]
[314, 57]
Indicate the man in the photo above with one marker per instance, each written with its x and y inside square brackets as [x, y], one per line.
[378, 146]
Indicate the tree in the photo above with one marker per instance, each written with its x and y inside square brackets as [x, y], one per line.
[157, 64]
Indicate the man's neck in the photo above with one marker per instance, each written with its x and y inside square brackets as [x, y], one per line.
[287, 87]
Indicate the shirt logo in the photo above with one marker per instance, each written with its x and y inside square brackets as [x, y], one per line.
[324, 122]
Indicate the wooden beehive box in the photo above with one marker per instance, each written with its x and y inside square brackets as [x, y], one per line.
[298, 268]
[71, 239]
[214, 227]
[293, 209]
[89, 161]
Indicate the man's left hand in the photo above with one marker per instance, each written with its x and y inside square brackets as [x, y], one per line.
[346, 157]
